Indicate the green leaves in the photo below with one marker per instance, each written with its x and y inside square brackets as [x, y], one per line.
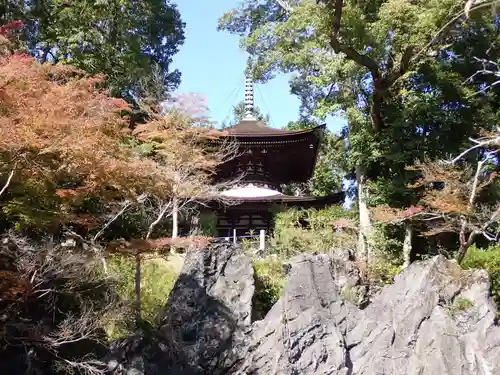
[123, 39]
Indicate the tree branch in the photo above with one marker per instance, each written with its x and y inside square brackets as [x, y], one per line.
[160, 216]
[494, 141]
[475, 181]
[9, 179]
[361, 59]
[285, 5]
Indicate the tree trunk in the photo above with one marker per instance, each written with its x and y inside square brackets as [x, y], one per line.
[407, 244]
[365, 225]
[465, 243]
[175, 221]
[137, 289]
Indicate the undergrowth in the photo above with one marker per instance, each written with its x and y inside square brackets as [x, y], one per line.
[488, 259]
[270, 278]
[312, 230]
[158, 276]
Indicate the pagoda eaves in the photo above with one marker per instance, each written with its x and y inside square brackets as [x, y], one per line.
[270, 155]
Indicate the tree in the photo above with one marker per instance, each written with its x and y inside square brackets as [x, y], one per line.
[63, 145]
[124, 40]
[353, 58]
[190, 156]
[459, 197]
[181, 140]
[62, 135]
[239, 113]
[68, 158]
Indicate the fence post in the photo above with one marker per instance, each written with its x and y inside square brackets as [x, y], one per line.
[262, 243]
[234, 236]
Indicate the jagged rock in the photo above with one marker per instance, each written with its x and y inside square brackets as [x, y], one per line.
[304, 332]
[435, 319]
[207, 316]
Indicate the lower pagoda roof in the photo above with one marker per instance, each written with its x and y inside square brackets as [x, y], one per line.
[263, 203]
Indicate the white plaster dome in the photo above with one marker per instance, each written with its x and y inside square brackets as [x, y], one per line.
[250, 191]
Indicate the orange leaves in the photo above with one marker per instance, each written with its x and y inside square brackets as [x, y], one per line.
[183, 151]
[12, 285]
[58, 122]
[159, 245]
[387, 214]
[11, 26]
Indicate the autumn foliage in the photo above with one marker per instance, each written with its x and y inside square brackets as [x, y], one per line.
[56, 124]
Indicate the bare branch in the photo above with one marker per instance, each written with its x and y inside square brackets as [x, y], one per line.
[495, 141]
[126, 205]
[7, 183]
[475, 181]
[163, 210]
[85, 367]
[285, 5]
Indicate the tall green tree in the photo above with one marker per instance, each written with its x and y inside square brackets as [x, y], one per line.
[131, 42]
[356, 58]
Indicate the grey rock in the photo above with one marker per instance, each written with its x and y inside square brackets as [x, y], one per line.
[304, 332]
[205, 322]
[209, 310]
[435, 319]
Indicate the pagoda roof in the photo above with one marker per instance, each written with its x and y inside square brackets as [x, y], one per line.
[270, 155]
[262, 203]
[283, 198]
[256, 128]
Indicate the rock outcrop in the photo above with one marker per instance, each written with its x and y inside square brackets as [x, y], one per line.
[206, 321]
[435, 319]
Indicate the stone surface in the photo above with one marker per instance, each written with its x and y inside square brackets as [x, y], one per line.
[207, 316]
[304, 333]
[435, 319]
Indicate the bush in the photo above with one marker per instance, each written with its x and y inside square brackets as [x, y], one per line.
[381, 272]
[270, 280]
[158, 276]
[387, 239]
[296, 231]
[488, 259]
[54, 303]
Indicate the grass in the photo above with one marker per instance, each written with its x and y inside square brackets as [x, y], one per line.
[158, 278]
[459, 304]
[488, 259]
[270, 279]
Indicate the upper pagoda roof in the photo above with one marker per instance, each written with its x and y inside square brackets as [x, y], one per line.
[256, 128]
[270, 155]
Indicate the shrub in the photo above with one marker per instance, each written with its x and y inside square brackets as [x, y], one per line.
[380, 272]
[208, 223]
[387, 240]
[53, 303]
[270, 280]
[488, 259]
[297, 230]
[158, 276]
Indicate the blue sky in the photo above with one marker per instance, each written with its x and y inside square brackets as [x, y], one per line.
[212, 65]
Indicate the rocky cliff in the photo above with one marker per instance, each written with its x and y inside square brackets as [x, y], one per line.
[435, 319]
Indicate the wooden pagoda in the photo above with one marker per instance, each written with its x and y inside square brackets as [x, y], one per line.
[267, 159]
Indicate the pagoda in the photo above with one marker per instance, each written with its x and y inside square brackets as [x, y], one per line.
[268, 158]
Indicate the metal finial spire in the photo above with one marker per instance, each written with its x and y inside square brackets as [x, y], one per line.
[249, 109]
